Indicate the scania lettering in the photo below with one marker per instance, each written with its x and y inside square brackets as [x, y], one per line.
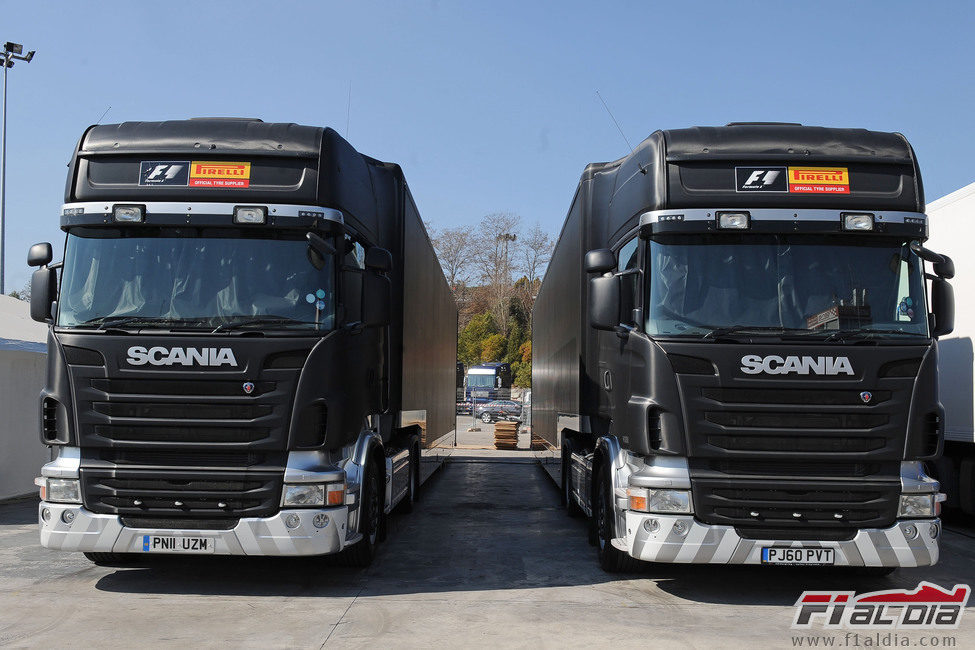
[728, 375]
[159, 356]
[775, 365]
[251, 354]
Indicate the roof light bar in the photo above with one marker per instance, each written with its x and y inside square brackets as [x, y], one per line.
[733, 220]
[862, 221]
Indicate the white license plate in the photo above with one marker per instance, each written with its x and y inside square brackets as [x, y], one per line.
[172, 544]
[797, 556]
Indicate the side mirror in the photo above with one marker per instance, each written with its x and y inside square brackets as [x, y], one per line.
[379, 259]
[40, 255]
[376, 298]
[43, 292]
[318, 250]
[600, 260]
[604, 302]
[943, 307]
[945, 268]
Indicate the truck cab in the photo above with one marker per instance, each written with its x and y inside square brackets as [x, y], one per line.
[226, 346]
[756, 323]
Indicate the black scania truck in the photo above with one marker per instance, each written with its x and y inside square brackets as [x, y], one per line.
[734, 350]
[252, 344]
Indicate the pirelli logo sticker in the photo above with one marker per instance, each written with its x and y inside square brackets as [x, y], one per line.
[819, 180]
[220, 174]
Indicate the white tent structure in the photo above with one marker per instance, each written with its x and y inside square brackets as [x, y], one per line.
[23, 362]
[951, 226]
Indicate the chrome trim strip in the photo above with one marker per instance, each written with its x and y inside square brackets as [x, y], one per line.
[775, 214]
[311, 467]
[914, 480]
[66, 465]
[104, 208]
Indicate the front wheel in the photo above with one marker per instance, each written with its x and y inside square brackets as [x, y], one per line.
[611, 559]
[486, 417]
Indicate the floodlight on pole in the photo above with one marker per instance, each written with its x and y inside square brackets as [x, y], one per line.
[11, 52]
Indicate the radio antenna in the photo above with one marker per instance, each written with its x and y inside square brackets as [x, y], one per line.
[99, 120]
[618, 128]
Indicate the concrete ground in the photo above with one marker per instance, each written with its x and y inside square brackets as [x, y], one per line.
[488, 558]
[484, 437]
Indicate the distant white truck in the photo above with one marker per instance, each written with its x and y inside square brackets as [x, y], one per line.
[951, 219]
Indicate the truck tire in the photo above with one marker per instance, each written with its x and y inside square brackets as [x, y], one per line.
[571, 507]
[362, 552]
[108, 559]
[611, 559]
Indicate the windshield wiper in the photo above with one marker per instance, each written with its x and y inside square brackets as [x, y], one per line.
[264, 320]
[846, 335]
[105, 322]
[718, 332]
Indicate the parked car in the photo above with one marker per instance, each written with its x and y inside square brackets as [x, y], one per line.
[502, 409]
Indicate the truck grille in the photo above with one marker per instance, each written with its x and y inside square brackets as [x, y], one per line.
[181, 494]
[804, 509]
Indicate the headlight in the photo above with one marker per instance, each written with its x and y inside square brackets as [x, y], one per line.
[917, 505]
[61, 490]
[311, 494]
[662, 501]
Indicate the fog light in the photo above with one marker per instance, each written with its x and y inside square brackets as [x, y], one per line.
[128, 213]
[292, 520]
[857, 221]
[67, 516]
[250, 214]
[910, 531]
[733, 220]
[651, 525]
[320, 520]
[46, 514]
[680, 527]
[933, 531]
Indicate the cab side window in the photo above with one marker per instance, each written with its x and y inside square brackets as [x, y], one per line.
[628, 267]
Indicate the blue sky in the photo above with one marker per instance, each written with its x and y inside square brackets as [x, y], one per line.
[489, 106]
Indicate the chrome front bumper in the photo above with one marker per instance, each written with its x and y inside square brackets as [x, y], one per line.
[97, 533]
[703, 544]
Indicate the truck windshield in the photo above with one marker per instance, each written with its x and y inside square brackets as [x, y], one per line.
[480, 381]
[803, 284]
[193, 279]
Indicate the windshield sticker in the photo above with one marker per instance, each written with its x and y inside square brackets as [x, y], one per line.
[163, 172]
[220, 174]
[760, 179]
[819, 180]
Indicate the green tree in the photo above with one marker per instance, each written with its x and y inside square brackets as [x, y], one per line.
[470, 343]
[493, 348]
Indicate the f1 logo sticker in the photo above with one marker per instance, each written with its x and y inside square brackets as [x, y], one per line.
[761, 179]
[164, 172]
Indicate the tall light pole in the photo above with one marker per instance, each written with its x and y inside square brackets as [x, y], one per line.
[11, 52]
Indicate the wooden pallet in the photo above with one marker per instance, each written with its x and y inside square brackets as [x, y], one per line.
[506, 435]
